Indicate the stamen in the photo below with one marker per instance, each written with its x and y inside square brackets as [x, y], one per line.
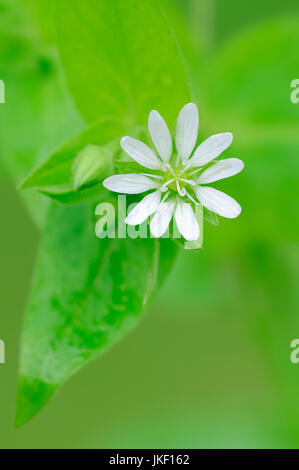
[171, 170]
[188, 181]
[152, 176]
[194, 172]
[185, 168]
[181, 192]
[165, 197]
[191, 198]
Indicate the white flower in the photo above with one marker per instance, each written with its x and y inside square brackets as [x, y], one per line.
[178, 177]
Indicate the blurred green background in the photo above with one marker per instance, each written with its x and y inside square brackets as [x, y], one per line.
[209, 366]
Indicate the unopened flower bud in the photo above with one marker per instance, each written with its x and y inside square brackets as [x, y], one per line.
[92, 164]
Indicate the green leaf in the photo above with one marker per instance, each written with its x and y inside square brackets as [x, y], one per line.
[87, 294]
[55, 176]
[121, 59]
[66, 195]
[74, 172]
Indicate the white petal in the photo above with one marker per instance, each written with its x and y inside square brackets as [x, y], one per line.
[218, 202]
[186, 221]
[130, 183]
[160, 222]
[160, 135]
[141, 153]
[220, 170]
[211, 148]
[186, 130]
[146, 207]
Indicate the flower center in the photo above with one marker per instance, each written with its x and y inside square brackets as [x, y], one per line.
[177, 180]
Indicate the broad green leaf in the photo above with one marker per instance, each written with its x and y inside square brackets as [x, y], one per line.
[55, 176]
[43, 10]
[66, 195]
[121, 59]
[87, 294]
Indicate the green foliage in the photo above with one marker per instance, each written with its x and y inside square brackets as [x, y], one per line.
[38, 114]
[240, 292]
[247, 89]
[55, 177]
[87, 294]
[92, 164]
[250, 84]
[121, 59]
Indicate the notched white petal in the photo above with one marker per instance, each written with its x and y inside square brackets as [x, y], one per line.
[146, 207]
[161, 220]
[186, 221]
[130, 183]
[211, 148]
[218, 202]
[186, 130]
[220, 170]
[141, 153]
[160, 135]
